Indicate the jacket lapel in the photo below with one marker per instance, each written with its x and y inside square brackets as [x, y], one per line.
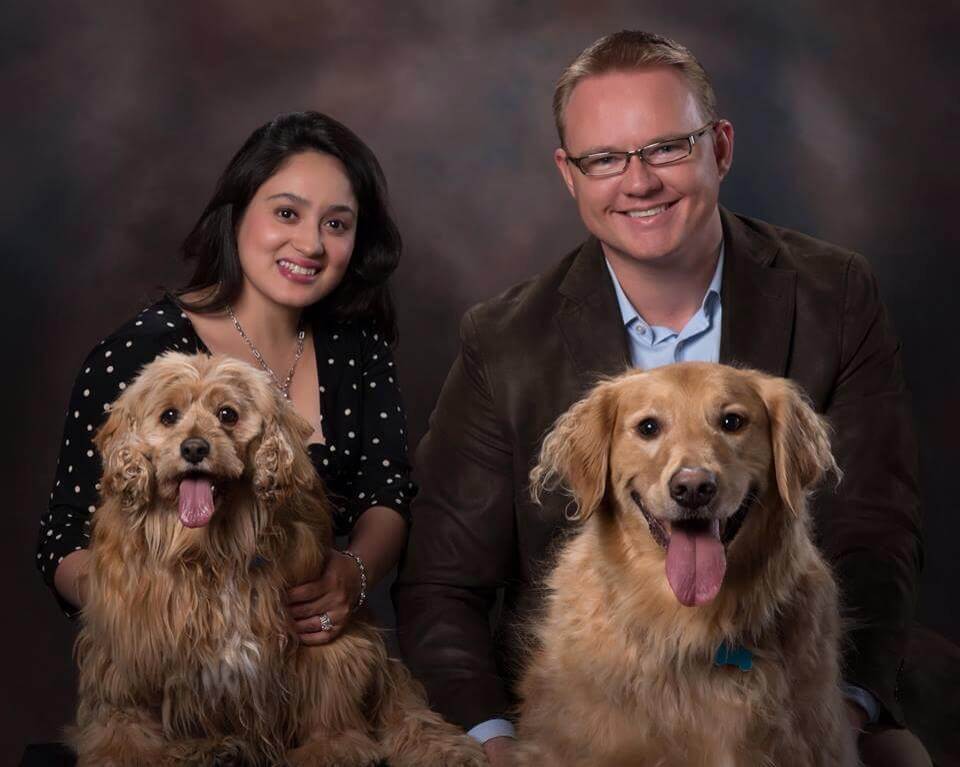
[759, 300]
[589, 318]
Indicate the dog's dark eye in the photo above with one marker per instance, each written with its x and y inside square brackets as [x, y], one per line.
[732, 422]
[228, 416]
[169, 416]
[648, 427]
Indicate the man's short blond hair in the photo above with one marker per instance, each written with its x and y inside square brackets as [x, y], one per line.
[627, 50]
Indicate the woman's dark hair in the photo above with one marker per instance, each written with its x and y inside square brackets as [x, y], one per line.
[212, 243]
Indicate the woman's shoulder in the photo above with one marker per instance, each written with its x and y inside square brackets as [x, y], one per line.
[159, 327]
[353, 331]
[161, 320]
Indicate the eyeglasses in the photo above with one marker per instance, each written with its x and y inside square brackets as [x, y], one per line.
[658, 153]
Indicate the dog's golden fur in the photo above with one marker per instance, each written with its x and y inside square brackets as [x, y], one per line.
[186, 654]
[622, 673]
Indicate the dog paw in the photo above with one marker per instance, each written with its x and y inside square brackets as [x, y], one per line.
[208, 753]
[455, 751]
[341, 750]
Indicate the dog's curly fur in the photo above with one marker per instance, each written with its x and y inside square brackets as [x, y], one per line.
[621, 672]
[186, 654]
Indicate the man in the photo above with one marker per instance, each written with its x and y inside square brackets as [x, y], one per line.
[666, 276]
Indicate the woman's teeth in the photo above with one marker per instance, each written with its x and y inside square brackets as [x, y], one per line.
[297, 269]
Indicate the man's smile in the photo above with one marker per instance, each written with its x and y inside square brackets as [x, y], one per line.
[648, 213]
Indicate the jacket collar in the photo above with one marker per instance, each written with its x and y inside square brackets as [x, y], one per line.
[589, 317]
[758, 305]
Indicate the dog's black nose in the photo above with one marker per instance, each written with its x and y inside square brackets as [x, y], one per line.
[693, 488]
[194, 449]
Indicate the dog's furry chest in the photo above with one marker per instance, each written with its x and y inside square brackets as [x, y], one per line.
[212, 653]
[233, 656]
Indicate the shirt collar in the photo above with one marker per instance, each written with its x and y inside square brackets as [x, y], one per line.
[630, 315]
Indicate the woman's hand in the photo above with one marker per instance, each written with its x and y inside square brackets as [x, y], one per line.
[333, 594]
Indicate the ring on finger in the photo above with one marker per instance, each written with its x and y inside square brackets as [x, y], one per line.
[325, 623]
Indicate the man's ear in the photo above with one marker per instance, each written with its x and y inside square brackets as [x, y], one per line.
[576, 452]
[723, 147]
[566, 169]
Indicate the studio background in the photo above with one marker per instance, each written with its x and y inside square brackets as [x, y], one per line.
[118, 117]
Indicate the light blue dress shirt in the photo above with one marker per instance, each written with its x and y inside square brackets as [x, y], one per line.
[652, 346]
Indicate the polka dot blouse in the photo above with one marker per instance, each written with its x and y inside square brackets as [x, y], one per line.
[363, 462]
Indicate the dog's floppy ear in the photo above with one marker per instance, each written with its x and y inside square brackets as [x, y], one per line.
[127, 470]
[800, 441]
[576, 452]
[281, 463]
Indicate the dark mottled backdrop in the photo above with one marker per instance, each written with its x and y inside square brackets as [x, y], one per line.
[117, 117]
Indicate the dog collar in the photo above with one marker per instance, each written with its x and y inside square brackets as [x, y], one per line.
[729, 655]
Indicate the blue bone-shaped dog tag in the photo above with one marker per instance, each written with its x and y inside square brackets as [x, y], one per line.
[737, 656]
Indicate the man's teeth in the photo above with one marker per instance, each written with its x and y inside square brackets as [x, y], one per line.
[297, 269]
[647, 213]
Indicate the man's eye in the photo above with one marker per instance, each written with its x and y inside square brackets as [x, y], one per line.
[169, 416]
[228, 416]
[669, 147]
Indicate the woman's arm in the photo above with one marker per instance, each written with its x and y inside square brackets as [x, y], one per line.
[377, 539]
[71, 576]
[375, 486]
[66, 526]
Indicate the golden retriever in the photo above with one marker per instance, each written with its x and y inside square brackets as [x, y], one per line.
[211, 509]
[691, 482]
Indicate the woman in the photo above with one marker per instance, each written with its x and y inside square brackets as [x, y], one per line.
[292, 258]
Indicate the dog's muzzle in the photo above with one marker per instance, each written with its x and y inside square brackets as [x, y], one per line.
[729, 529]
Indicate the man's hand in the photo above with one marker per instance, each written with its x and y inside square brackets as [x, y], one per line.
[499, 751]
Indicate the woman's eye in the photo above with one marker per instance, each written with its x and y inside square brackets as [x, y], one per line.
[336, 225]
[648, 428]
[732, 422]
[287, 214]
[169, 416]
[228, 416]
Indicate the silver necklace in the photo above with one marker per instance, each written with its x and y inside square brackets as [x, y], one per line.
[283, 386]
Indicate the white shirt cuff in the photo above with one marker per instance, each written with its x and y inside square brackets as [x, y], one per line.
[863, 698]
[492, 728]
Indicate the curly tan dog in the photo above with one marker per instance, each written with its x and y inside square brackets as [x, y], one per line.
[691, 482]
[211, 509]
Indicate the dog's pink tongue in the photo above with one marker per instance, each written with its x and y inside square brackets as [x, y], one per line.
[196, 501]
[696, 563]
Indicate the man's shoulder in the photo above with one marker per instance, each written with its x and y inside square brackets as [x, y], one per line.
[811, 257]
[524, 307]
